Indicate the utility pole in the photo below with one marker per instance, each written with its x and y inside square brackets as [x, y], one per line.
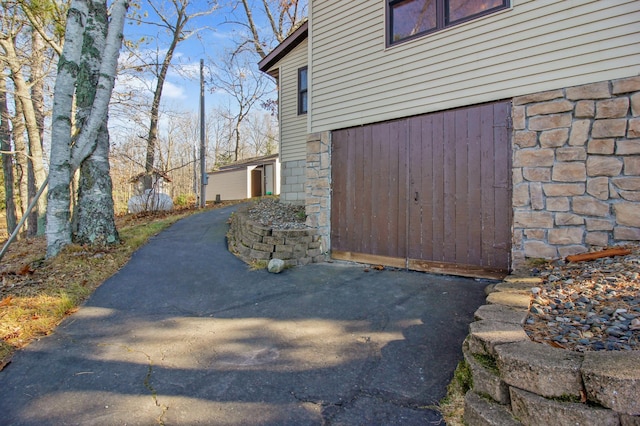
[203, 170]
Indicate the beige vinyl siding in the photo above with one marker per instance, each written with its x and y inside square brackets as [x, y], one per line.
[534, 46]
[293, 127]
[231, 185]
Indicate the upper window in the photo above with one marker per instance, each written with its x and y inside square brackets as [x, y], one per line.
[302, 91]
[408, 19]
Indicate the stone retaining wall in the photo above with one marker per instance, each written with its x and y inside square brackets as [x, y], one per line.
[520, 382]
[252, 241]
[576, 169]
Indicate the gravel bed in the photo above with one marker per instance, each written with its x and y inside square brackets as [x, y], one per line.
[271, 212]
[588, 306]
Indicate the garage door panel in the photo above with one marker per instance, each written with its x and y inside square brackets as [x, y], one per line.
[433, 189]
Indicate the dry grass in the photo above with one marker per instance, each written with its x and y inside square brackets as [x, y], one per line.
[36, 293]
[452, 405]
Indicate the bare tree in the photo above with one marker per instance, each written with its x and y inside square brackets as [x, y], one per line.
[239, 78]
[7, 158]
[284, 17]
[12, 29]
[173, 17]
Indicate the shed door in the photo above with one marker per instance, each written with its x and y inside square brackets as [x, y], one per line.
[430, 192]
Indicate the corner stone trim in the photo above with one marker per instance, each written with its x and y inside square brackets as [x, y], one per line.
[576, 158]
[251, 241]
[517, 381]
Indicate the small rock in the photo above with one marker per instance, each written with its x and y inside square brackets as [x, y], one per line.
[275, 266]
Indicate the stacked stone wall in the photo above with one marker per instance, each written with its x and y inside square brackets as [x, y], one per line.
[254, 242]
[318, 186]
[576, 169]
[520, 382]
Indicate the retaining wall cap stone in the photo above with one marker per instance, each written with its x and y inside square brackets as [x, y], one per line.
[541, 369]
[480, 412]
[532, 409]
[613, 379]
[513, 299]
[515, 286]
[501, 313]
[485, 335]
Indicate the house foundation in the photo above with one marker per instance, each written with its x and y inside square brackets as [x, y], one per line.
[318, 186]
[576, 169]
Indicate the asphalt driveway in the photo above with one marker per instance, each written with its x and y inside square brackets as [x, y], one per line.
[186, 334]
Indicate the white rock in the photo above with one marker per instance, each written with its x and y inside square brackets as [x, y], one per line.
[275, 266]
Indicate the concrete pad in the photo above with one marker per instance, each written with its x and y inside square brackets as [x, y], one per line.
[186, 334]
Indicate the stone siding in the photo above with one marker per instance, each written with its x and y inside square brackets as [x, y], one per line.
[292, 188]
[576, 169]
[517, 381]
[252, 241]
[318, 186]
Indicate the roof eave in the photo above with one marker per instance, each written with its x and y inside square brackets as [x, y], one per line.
[284, 48]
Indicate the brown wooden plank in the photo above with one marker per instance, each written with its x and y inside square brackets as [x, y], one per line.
[418, 166]
[487, 178]
[502, 184]
[395, 178]
[338, 196]
[358, 187]
[449, 164]
[474, 187]
[462, 270]
[437, 216]
[461, 143]
[431, 137]
[353, 172]
[598, 254]
[371, 259]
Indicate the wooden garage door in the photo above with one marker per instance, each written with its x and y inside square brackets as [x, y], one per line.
[430, 192]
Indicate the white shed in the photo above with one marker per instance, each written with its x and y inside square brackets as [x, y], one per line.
[248, 178]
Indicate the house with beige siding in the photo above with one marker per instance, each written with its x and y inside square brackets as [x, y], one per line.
[463, 136]
[247, 178]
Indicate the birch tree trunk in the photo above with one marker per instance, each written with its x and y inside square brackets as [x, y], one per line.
[94, 215]
[84, 21]
[59, 197]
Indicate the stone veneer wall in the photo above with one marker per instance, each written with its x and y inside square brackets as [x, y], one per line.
[576, 169]
[318, 186]
[293, 182]
[252, 241]
[520, 382]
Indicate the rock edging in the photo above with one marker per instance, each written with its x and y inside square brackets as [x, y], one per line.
[254, 242]
[531, 383]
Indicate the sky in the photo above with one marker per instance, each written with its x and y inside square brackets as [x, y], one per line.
[182, 87]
